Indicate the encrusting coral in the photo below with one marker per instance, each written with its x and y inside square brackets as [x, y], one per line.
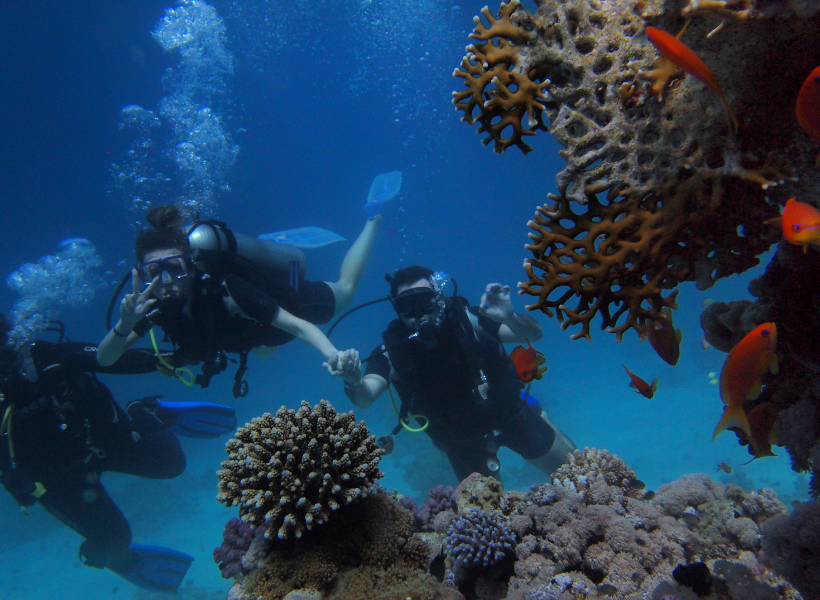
[657, 189]
[586, 535]
[288, 472]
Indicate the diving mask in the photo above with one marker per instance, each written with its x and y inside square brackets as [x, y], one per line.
[176, 267]
[416, 302]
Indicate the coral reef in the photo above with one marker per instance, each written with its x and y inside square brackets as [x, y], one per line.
[365, 551]
[236, 539]
[437, 501]
[657, 188]
[288, 472]
[788, 295]
[584, 536]
[791, 545]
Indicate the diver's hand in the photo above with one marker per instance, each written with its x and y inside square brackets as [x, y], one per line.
[347, 365]
[136, 305]
[495, 303]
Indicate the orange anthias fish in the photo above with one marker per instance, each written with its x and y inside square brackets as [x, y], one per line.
[800, 223]
[725, 468]
[761, 421]
[665, 339]
[526, 361]
[678, 53]
[740, 377]
[808, 107]
[641, 387]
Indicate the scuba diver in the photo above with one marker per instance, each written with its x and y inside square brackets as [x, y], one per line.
[62, 428]
[213, 291]
[447, 362]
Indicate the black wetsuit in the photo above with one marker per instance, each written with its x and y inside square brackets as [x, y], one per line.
[441, 383]
[209, 330]
[66, 429]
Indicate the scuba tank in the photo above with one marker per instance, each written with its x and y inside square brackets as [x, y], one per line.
[273, 258]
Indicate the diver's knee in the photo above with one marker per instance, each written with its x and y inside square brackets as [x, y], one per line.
[343, 292]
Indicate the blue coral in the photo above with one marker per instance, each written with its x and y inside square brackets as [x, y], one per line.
[479, 538]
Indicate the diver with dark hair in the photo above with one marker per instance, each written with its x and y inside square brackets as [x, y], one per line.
[213, 291]
[61, 429]
[447, 362]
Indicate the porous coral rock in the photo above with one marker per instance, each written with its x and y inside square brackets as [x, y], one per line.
[288, 472]
[363, 547]
[692, 192]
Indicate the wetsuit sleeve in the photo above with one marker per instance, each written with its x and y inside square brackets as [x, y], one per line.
[143, 326]
[82, 357]
[378, 364]
[251, 300]
[488, 325]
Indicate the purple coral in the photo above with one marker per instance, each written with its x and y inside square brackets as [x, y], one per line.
[438, 500]
[479, 538]
[236, 539]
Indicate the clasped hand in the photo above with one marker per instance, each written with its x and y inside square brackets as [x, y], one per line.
[496, 304]
[347, 365]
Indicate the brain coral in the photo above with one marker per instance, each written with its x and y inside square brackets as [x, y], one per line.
[658, 188]
[289, 471]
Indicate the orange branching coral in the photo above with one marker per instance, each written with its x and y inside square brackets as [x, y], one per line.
[619, 254]
[498, 81]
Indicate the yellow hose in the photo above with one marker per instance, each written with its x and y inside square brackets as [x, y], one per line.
[181, 373]
[407, 419]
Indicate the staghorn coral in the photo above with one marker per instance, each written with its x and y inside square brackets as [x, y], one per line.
[236, 540]
[289, 471]
[675, 194]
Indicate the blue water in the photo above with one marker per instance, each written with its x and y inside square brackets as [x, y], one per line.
[323, 96]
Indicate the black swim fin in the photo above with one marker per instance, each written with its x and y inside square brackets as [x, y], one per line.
[197, 419]
[154, 568]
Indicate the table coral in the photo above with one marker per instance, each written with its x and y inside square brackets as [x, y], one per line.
[650, 194]
[288, 472]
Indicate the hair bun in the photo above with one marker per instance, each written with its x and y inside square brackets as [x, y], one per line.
[165, 218]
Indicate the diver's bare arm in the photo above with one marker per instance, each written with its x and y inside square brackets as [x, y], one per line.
[133, 309]
[518, 328]
[305, 331]
[371, 387]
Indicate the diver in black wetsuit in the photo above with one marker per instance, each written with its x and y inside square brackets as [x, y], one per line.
[61, 428]
[446, 360]
[222, 300]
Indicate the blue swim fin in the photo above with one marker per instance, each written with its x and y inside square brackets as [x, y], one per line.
[304, 237]
[383, 189]
[197, 419]
[154, 568]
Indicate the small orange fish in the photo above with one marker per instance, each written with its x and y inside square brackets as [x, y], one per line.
[740, 377]
[526, 361]
[808, 107]
[725, 468]
[678, 53]
[641, 387]
[665, 339]
[800, 223]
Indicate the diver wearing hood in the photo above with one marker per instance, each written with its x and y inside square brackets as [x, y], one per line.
[447, 363]
[211, 306]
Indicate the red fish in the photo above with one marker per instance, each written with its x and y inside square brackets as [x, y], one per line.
[665, 339]
[526, 361]
[641, 387]
[678, 53]
[761, 421]
[740, 377]
[800, 223]
[808, 107]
